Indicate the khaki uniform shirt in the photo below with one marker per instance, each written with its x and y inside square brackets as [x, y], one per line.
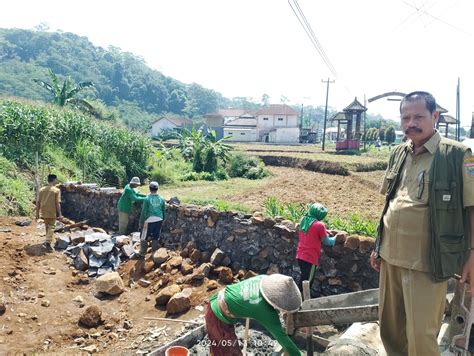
[407, 230]
[48, 197]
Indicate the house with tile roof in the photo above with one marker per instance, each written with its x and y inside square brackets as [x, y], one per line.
[168, 123]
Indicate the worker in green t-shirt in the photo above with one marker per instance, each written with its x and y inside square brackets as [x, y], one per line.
[260, 298]
[124, 206]
[151, 220]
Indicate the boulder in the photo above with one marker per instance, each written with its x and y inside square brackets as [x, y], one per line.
[122, 240]
[110, 283]
[202, 271]
[62, 241]
[186, 268]
[195, 255]
[148, 266]
[180, 302]
[226, 276]
[217, 257]
[352, 242]
[161, 255]
[77, 237]
[184, 252]
[166, 293]
[212, 284]
[3, 308]
[250, 274]
[205, 256]
[91, 317]
[175, 261]
[81, 262]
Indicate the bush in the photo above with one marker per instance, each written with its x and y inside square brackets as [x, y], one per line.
[168, 167]
[250, 167]
[16, 190]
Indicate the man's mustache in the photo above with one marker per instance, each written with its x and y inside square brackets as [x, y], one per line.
[413, 129]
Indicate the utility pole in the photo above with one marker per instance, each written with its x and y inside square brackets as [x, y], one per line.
[326, 110]
[458, 114]
[365, 122]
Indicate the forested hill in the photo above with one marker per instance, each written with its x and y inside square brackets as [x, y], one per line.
[121, 79]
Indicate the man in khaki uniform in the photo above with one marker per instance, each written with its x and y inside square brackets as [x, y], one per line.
[411, 303]
[49, 205]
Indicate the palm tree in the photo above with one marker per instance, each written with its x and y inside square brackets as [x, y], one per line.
[64, 94]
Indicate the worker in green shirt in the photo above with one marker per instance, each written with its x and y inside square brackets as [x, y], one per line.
[124, 206]
[260, 298]
[151, 219]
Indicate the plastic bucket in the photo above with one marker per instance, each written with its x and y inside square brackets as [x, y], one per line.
[177, 351]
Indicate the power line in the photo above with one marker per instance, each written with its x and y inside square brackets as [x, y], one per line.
[310, 33]
[437, 18]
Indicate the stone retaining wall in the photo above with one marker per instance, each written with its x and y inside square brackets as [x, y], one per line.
[251, 242]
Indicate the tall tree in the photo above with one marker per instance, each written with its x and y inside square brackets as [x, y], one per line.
[64, 94]
[390, 135]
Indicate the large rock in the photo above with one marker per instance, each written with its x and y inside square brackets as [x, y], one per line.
[180, 302]
[110, 283]
[81, 262]
[175, 261]
[77, 237]
[212, 284]
[226, 276]
[202, 271]
[91, 317]
[217, 257]
[186, 268]
[62, 241]
[161, 255]
[195, 255]
[166, 293]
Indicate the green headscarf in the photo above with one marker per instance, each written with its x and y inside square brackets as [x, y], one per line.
[316, 212]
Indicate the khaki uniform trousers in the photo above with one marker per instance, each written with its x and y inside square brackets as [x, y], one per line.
[123, 222]
[50, 225]
[411, 308]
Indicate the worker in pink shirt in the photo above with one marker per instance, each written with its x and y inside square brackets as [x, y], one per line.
[312, 233]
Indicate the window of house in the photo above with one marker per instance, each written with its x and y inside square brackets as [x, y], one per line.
[231, 133]
[242, 133]
[265, 119]
[280, 119]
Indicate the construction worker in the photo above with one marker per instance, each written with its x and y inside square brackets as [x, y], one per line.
[151, 220]
[129, 196]
[312, 232]
[259, 298]
[48, 207]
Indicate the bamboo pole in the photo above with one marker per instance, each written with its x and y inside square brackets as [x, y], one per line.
[173, 320]
[246, 336]
[309, 330]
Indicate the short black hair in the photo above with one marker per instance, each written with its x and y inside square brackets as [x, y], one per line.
[154, 190]
[429, 99]
[52, 178]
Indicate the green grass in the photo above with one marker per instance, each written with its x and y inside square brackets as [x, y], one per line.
[353, 224]
[16, 194]
[218, 204]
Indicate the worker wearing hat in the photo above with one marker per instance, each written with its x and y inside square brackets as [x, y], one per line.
[151, 219]
[124, 206]
[260, 298]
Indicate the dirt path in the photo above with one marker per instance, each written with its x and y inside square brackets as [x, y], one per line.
[39, 291]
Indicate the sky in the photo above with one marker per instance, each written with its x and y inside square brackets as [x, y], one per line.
[253, 47]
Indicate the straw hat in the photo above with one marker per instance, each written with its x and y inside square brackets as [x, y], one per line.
[281, 292]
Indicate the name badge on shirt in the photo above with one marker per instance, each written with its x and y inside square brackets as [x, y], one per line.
[446, 197]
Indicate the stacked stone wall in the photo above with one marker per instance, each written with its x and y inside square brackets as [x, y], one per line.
[249, 241]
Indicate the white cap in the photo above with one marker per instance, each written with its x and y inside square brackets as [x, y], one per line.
[135, 180]
[154, 185]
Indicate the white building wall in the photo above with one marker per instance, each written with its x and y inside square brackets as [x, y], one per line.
[241, 135]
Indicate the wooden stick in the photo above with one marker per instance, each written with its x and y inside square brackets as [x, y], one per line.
[309, 330]
[174, 320]
[246, 336]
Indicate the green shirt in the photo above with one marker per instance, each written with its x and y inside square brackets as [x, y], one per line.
[129, 196]
[153, 205]
[245, 300]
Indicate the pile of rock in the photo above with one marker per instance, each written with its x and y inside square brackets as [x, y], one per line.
[95, 251]
[195, 268]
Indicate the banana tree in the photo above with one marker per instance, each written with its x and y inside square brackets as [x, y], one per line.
[64, 94]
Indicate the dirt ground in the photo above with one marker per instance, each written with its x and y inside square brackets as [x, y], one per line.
[341, 194]
[40, 290]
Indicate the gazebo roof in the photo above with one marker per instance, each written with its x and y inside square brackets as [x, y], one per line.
[355, 106]
[446, 119]
[338, 116]
[442, 110]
